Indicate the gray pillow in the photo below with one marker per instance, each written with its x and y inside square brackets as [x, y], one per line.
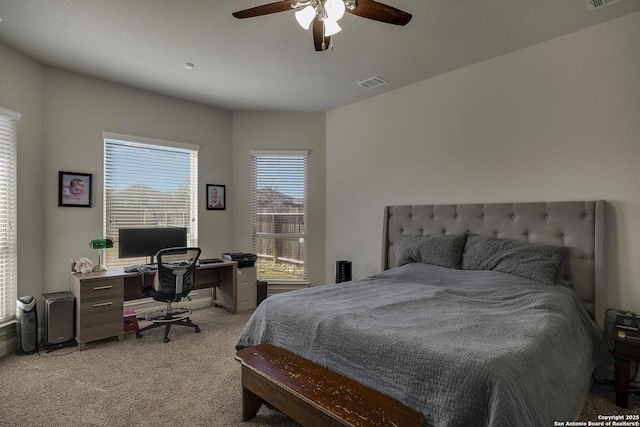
[444, 250]
[529, 260]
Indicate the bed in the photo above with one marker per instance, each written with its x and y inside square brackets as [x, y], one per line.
[483, 314]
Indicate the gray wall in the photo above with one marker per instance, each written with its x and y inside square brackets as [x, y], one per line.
[77, 110]
[21, 91]
[556, 121]
[281, 131]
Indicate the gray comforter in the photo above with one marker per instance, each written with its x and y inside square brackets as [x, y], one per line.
[462, 347]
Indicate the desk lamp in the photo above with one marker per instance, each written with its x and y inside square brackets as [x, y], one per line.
[100, 244]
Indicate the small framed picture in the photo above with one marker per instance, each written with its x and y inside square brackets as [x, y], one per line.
[74, 189]
[216, 197]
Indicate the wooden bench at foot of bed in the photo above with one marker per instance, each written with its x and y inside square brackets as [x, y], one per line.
[313, 395]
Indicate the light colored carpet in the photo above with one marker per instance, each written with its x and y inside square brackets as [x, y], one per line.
[602, 401]
[192, 380]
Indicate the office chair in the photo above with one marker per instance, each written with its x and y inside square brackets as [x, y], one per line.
[173, 281]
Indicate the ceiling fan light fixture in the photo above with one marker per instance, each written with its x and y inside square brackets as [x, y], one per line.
[325, 14]
[335, 9]
[331, 27]
[305, 16]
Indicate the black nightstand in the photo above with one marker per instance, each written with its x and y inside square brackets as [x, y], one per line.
[625, 351]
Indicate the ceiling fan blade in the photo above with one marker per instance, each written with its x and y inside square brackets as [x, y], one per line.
[380, 12]
[265, 9]
[319, 40]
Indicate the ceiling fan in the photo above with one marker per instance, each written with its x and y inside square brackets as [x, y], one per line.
[324, 14]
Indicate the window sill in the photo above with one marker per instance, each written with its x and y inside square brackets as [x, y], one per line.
[285, 282]
[7, 323]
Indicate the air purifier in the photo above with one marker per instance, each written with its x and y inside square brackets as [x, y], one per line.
[343, 271]
[58, 318]
[26, 326]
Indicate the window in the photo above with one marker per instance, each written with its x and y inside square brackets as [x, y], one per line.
[148, 183]
[279, 192]
[8, 215]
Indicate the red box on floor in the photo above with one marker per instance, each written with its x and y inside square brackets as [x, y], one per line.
[130, 320]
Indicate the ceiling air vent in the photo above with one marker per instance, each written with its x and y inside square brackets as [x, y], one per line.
[372, 82]
[597, 4]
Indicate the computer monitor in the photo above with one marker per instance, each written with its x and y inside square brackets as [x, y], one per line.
[139, 242]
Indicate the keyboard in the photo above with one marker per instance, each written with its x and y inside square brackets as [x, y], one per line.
[210, 261]
[134, 268]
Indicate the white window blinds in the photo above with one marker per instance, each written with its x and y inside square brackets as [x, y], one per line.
[8, 213]
[279, 190]
[148, 183]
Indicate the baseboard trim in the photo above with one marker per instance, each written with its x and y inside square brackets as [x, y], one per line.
[200, 299]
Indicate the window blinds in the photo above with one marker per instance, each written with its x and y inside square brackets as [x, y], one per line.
[148, 183]
[279, 193]
[8, 214]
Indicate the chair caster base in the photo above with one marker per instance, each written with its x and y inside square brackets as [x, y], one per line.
[167, 326]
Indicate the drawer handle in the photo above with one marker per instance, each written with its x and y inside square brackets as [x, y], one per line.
[100, 288]
[103, 304]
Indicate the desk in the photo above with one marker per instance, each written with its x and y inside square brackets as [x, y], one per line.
[100, 297]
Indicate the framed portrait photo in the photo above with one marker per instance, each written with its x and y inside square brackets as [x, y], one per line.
[74, 189]
[216, 197]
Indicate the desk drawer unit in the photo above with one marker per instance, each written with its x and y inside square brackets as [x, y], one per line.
[246, 293]
[99, 305]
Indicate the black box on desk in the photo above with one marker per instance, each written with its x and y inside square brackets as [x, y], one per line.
[244, 259]
[59, 310]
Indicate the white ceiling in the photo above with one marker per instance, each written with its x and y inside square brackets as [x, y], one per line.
[268, 62]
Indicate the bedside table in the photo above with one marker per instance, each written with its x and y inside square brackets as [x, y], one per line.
[625, 351]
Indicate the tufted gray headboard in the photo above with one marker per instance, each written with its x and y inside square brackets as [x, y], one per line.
[578, 225]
